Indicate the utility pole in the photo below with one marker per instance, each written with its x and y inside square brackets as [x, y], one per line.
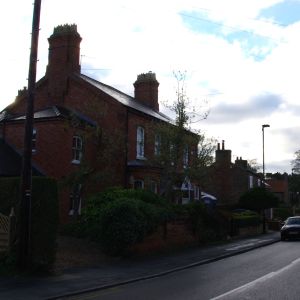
[24, 244]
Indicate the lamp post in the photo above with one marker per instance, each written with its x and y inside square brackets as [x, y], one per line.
[263, 137]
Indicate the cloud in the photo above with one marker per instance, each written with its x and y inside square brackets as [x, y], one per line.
[259, 107]
[289, 138]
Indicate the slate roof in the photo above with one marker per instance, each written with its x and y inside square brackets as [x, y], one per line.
[51, 112]
[125, 99]
[11, 161]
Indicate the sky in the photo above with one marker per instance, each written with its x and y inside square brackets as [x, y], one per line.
[241, 60]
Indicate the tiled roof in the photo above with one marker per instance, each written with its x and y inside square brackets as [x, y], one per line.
[125, 99]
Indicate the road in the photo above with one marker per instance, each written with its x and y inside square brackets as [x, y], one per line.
[270, 272]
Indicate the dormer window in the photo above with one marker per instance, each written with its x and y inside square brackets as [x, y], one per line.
[77, 147]
[140, 143]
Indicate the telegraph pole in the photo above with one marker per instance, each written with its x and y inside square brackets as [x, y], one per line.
[24, 244]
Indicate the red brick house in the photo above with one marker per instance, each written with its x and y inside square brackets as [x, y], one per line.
[227, 181]
[280, 187]
[82, 125]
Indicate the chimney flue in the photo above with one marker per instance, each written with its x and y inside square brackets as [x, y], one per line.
[223, 145]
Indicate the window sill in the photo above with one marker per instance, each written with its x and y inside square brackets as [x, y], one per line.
[141, 158]
[75, 162]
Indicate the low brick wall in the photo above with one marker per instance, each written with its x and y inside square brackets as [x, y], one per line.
[175, 236]
[248, 231]
[274, 225]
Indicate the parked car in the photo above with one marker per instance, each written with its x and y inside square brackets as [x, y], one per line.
[291, 228]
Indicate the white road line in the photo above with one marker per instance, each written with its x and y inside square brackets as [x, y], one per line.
[261, 279]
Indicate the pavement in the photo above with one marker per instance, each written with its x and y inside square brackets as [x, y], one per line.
[76, 281]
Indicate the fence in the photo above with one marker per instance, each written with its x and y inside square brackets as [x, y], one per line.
[7, 231]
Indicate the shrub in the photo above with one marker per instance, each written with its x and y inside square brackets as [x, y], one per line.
[207, 225]
[118, 218]
[121, 224]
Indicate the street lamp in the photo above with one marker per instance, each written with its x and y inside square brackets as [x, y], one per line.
[264, 184]
[263, 137]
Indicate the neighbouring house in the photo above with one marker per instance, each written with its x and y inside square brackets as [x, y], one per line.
[83, 127]
[227, 181]
[280, 187]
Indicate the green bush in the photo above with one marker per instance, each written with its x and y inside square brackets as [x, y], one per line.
[112, 194]
[121, 224]
[44, 216]
[118, 218]
[206, 224]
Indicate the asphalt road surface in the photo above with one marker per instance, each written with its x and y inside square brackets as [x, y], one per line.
[271, 272]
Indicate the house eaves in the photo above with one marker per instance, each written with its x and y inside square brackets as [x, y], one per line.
[52, 113]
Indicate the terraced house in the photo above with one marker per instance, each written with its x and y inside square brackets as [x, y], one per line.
[83, 127]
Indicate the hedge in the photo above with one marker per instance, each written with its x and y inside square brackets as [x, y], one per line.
[44, 220]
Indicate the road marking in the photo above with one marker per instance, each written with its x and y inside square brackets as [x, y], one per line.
[261, 279]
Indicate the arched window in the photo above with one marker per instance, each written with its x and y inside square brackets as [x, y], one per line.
[140, 142]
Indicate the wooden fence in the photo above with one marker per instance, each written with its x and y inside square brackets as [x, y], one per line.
[7, 231]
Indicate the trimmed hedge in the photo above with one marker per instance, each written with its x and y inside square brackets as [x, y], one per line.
[246, 221]
[44, 216]
[246, 218]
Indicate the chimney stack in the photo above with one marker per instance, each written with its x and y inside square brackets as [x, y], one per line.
[146, 90]
[223, 157]
[242, 163]
[64, 57]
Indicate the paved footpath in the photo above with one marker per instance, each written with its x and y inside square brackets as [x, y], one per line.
[76, 281]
